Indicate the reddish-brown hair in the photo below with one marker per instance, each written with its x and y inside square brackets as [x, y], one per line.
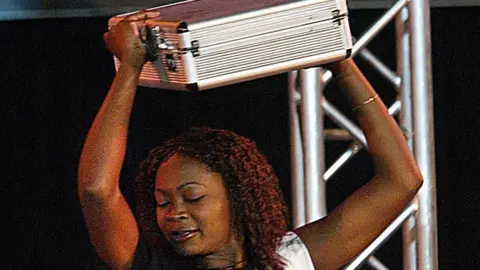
[259, 212]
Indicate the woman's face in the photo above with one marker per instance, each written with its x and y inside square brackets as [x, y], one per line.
[192, 208]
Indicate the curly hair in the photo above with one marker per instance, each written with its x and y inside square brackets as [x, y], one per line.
[258, 211]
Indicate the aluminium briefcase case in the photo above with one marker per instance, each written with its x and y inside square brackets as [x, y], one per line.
[202, 44]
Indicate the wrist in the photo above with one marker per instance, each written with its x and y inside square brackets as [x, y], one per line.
[130, 69]
[340, 68]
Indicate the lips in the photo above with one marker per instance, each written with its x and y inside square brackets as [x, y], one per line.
[179, 236]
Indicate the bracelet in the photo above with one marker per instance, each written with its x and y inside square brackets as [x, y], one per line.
[370, 100]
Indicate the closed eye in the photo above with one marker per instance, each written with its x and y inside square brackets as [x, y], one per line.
[162, 204]
[195, 199]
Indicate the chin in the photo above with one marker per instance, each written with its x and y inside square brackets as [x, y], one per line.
[188, 250]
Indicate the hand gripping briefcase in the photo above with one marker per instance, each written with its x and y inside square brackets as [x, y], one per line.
[202, 44]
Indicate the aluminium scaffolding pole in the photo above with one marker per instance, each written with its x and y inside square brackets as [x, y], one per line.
[311, 91]
[414, 86]
[405, 95]
[307, 147]
[423, 133]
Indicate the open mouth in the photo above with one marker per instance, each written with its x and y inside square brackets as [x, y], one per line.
[181, 235]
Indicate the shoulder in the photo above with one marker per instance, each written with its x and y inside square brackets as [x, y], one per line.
[294, 253]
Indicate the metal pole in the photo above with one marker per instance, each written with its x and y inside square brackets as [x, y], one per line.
[376, 264]
[296, 153]
[342, 121]
[377, 27]
[423, 135]
[405, 95]
[388, 74]
[382, 238]
[352, 150]
[355, 147]
[311, 90]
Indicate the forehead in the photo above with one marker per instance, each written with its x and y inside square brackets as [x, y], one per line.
[178, 170]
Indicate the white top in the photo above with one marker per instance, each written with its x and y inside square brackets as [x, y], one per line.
[295, 253]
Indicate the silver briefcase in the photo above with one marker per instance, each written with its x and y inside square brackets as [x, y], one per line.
[202, 44]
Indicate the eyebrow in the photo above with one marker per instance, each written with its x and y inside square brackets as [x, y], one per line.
[182, 185]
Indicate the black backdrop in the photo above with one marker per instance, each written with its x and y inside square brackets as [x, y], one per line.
[55, 74]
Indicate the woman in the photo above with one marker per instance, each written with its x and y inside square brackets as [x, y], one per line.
[208, 199]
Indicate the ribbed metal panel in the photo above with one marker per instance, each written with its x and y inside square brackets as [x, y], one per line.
[159, 69]
[324, 37]
[265, 24]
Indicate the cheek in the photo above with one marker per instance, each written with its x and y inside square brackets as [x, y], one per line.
[217, 218]
[160, 216]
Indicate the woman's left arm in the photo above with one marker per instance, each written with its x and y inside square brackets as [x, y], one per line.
[336, 239]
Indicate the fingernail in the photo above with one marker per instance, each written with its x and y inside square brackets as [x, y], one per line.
[135, 29]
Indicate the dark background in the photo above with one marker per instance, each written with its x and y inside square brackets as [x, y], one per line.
[56, 72]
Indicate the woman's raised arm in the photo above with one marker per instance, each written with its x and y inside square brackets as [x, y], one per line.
[111, 225]
[336, 239]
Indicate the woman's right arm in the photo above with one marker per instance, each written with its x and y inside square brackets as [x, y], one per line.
[110, 222]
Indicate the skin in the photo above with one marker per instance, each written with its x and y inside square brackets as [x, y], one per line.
[332, 241]
[190, 197]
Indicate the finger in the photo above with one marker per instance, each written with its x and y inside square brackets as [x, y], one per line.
[106, 37]
[152, 14]
[143, 15]
[135, 28]
[129, 25]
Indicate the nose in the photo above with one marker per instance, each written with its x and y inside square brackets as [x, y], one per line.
[177, 212]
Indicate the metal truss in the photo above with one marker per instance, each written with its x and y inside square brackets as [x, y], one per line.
[414, 105]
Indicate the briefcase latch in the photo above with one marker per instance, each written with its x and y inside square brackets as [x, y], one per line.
[162, 43]
[154, 42]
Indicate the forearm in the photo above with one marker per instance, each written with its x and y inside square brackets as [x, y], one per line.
[392, 158]
[104, 149]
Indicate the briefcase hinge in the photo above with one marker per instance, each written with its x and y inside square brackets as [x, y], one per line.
[194, 48]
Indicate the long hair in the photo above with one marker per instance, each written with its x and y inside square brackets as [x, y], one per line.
[258, 211]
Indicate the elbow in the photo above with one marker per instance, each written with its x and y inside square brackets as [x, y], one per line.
[95, 183]
[412, 182]
[417, 179]
[98, 190]
[405, 183]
